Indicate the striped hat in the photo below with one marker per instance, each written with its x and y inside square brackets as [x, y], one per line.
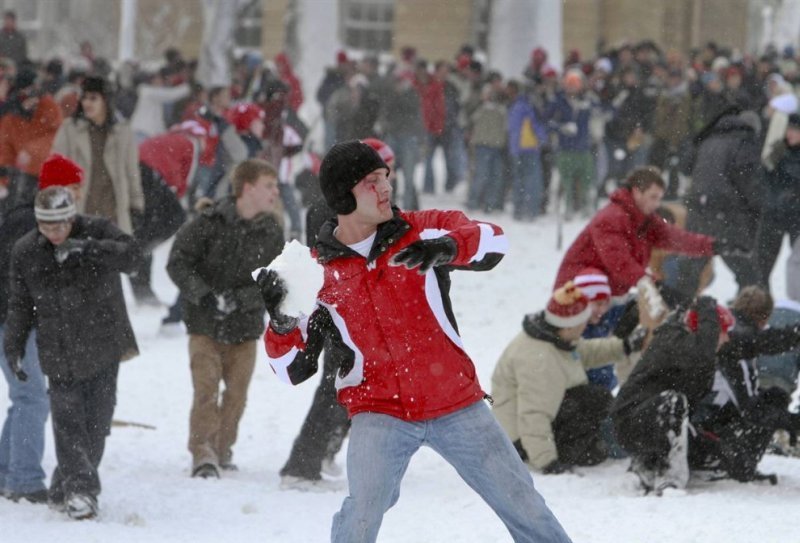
[567, 307]
[593, 283]
[54, 204]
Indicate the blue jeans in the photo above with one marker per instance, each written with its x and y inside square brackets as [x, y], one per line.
[471, 440]
[22, 440]
[527, 185]
[488, 184]
[406, 153]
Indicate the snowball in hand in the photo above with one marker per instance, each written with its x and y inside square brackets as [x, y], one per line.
[302, 275]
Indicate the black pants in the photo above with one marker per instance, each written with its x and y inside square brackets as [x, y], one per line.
[643, 430]
[323, 431]
[576, 428]
[736, 448]
[82, 413]
[774, 224]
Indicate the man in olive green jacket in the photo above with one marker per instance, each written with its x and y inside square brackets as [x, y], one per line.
[542, 397]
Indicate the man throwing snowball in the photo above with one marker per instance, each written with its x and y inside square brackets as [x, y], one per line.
[403, 376]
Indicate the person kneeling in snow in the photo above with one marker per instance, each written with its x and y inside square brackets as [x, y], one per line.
[651, 411]
[403, 375]
[735, 422]
[542, 396]
[65, 282]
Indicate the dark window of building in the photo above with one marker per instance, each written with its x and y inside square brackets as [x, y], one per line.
[367, 24]
[481, 19]
[248, 26]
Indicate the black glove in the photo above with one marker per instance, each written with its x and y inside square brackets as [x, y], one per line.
[70, 247]
[555, 467]
[635, 341]
[227, 303]
[137, 221]
[273, 291]
[672, 296]
[727, 247]
[706, 302]
[426, 254]
[210, 303]
[15, 363]
[628, 321]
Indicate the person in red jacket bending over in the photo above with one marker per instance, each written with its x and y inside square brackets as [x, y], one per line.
[404, 377]
[619, 238]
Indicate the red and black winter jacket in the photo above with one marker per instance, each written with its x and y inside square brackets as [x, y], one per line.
[392, 329]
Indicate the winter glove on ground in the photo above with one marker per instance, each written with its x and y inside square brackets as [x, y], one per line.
[15, 363]
[273, 291]
[426, 254]
[70, 247]
[555, 467]
[726, 247]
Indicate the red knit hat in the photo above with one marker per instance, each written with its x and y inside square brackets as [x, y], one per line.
[724, 315]
[59, 171]
[593, 283]
[242, 115]
[386, 152]
[567, 307]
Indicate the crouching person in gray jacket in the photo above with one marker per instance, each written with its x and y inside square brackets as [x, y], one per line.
[65, 281]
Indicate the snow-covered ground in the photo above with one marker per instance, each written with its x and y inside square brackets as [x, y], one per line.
[148, 494]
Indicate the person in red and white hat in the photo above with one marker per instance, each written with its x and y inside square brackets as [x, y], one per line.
[542, 397]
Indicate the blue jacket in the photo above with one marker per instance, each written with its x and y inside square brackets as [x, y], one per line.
[604, 376]
[520, 110]
[562, 111]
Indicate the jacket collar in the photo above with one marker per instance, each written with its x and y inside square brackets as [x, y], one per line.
[329, 248]
[536, 327]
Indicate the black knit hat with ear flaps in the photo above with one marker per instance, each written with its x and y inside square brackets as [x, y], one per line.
[344, 165]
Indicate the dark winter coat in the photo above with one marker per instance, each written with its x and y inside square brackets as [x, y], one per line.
[619, 240]
[676, 359]
[77, 307]
[401, 113]
[783, 183]
[16, 223]
[725, 199]
[736, 392]
[216, 253]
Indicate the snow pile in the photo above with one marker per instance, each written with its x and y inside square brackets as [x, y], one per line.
[302, 276]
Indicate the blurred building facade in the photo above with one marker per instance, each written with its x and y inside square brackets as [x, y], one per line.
[500, 29]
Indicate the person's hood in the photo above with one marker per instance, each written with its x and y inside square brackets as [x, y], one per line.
[536, 327]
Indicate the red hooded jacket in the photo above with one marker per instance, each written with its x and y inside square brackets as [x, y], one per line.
[392, 330]
[619, 239]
